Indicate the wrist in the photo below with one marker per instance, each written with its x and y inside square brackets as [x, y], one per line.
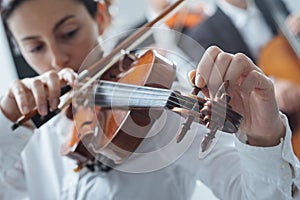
[271, 138]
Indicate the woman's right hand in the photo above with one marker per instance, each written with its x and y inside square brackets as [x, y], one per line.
[252, 93]
[38, 92]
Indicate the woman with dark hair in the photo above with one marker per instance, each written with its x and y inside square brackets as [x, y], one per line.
[55, 37]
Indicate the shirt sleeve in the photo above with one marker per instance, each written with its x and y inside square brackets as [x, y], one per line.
[12, 179]
[269, 173]
[235, 170]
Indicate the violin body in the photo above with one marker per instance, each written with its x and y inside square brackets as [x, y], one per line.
[123, 131]
[110, 132]
[187, 17]
[188, 20]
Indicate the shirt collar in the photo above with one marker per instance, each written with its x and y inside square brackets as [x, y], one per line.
[237, 15]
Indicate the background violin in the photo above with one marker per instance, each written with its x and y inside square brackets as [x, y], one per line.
[280, 57]
[187, 17]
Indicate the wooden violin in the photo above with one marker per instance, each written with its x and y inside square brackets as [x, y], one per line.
[117, 118]
[187, 17]
[281, 56]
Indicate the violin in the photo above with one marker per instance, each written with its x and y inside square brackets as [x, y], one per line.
[118, 106]
[114, 97]
[281, 56]
[187, 17]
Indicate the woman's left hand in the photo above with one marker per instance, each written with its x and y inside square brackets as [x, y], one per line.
[252, 93]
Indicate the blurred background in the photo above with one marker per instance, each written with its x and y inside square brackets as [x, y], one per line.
[127, 15]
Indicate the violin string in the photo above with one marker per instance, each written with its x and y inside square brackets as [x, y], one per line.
[146, 90]
[115, 85]
[127, 88]
[169, 102]
[125, 100]
[139, 93]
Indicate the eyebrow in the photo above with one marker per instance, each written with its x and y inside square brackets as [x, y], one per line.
[56, 26]
[63, 20]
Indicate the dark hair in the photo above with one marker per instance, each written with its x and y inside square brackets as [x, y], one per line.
[9, 6]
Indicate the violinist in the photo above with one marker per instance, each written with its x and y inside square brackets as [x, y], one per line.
[54, 37]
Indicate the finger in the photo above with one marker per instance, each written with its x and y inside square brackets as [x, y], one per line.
[239, 68]
[218, 71]
[192, 76]
[19, 93]
[53, 86]
[257, 82]
[205, 66]
[67, 76]
[40, 96]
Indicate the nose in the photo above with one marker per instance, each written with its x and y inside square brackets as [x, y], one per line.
[59, 57]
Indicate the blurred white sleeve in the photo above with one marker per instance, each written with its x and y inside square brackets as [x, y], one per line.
[12, 179]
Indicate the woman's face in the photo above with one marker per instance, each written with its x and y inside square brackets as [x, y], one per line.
[53, 34]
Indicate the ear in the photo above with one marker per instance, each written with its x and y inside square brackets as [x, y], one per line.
[103, 17]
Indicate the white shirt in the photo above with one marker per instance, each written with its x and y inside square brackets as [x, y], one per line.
[250, 23]
[233, 170]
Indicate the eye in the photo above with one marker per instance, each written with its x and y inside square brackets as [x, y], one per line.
[37, 49]
[70, 34]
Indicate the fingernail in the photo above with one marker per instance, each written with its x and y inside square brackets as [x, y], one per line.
[193, 80]
[25, 109]
[196, 78]
[44, 110]
[54, 103]
[199, 82]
